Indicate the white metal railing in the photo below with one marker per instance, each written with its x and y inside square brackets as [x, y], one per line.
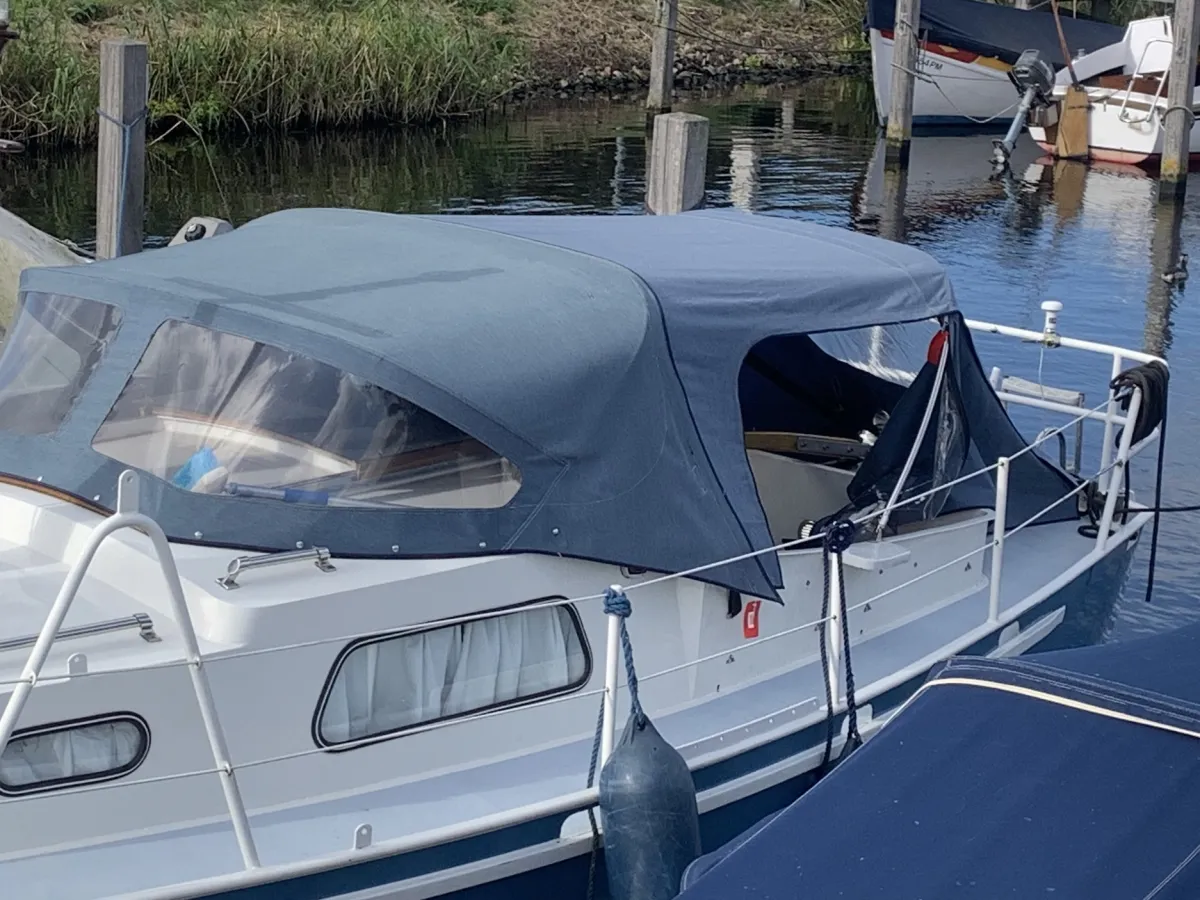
[127, 516]
[1112, 472]
[1123, 114]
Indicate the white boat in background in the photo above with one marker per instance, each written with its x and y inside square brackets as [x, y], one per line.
[1126, 84]
[967, 50]
[306, 530]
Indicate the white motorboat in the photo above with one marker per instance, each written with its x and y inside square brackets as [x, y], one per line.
[306, 530]
[1126, 85]
[967, 50]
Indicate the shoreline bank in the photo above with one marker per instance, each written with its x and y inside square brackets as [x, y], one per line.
[243, 65]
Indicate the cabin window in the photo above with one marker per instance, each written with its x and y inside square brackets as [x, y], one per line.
[54, 345]
[389, 684]
[66, 754]
[223, 414]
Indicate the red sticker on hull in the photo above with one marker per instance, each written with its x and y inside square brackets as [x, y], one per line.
[750, 619]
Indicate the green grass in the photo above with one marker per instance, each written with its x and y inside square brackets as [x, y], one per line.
[219, 64]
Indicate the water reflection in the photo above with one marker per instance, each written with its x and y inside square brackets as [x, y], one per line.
[1092, 238]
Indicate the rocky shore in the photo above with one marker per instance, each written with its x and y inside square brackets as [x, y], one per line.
[697, 68]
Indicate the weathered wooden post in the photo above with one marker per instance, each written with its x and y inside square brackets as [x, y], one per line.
[904, 68]
[678, 159]
[662, 57]
[1178, 119]
[121, 175]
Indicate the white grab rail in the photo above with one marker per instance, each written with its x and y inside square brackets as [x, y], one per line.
[1123, 115]
[126, 516]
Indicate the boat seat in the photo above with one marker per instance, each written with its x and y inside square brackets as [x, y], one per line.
[793, 490]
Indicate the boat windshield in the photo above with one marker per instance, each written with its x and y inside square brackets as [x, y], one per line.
[51, 351]
[222, 414]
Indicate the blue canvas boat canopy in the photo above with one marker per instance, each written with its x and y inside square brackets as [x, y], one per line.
[1073, 774]
[598, 356]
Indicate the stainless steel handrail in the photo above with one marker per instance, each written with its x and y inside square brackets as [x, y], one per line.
[318, 555]
[140, 621]
[126, 516]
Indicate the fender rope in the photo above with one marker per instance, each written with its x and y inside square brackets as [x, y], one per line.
[838, 538]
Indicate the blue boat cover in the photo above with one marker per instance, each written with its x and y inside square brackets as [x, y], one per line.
[601, 355]
[1073, 775]
[1003, 32]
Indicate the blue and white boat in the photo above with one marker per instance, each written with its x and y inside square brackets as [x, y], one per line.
[305, 531]
[1071, 774]
[967, 50]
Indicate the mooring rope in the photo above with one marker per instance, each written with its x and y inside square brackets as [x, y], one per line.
[615, 604]
[838, 538]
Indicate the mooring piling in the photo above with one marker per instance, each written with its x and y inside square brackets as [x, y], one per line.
[1178, 118]
[121, 162]
[904, 70]
[678, 160]
[662, 57]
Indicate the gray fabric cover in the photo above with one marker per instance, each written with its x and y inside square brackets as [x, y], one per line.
[600, 354]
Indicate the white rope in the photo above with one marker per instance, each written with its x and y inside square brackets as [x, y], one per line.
[921, 76]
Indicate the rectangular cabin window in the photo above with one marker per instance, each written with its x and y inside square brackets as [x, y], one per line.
[53, 347]
[386, 685]
[222, 414]
[66, 754]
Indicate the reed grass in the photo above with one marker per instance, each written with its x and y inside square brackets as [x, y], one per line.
[218, 64]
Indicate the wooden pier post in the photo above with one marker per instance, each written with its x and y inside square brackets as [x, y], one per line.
[662, 57]
[1177, 120]
[678, 159]
[904, 67]
[121, 174]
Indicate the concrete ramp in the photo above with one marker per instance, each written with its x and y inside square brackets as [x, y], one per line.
[23, 246]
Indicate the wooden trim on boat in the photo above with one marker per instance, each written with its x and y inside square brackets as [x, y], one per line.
[39, 487]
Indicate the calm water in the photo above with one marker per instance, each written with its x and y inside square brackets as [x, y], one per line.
[1087, 237]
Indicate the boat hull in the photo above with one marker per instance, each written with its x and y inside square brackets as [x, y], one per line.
[532, 859]
[966, 91]
[1136, 140]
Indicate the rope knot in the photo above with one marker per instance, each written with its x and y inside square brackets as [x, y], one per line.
[839, 536]
[616, 603]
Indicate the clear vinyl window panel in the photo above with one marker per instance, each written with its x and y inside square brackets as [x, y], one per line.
[49, 354]
[222, 414]
[71, 753]
[388, 685]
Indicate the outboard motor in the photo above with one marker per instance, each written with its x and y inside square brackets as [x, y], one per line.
[648, 809]
[1034, 78]
[197, 228]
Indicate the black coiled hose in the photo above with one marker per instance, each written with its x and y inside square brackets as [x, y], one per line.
[1153, 380]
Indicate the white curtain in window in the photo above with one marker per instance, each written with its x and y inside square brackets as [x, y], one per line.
[70, 753]
[388, 685]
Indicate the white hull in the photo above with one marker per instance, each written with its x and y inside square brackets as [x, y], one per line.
[966, 89]
[479, 776]
[1125, 126]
